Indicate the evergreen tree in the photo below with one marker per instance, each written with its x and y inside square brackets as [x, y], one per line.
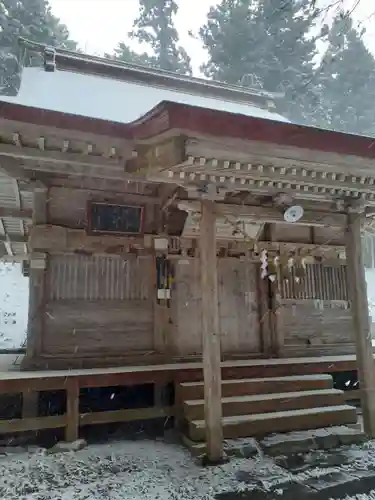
[124, 53]
[31, 19]
[155, 29]
[271, 41]
[346, 81]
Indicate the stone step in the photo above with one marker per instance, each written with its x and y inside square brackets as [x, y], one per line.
[248, 387]
[268, 403]
[267, 423]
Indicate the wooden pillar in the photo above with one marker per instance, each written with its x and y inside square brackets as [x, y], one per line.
[37, 280]
[36, 308]
[357, 289]
[211, 334]
[72, 410]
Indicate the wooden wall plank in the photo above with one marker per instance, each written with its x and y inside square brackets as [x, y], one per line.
[98, 305]
[81, 327]
[315, 327]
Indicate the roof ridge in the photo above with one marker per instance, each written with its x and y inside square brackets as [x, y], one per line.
[66, 56]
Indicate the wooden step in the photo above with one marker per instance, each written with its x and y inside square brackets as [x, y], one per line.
[268, 403]
[248, 387]
[267, 423]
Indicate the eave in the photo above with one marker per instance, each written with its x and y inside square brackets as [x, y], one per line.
[185, 146]
[239, 153]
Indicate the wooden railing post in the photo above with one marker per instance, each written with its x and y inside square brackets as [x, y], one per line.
[72, 410]
[357, 289]
[211, 334]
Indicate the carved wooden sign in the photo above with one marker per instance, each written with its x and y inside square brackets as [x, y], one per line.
[114, 219]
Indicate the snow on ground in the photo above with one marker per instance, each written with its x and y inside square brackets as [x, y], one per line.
[370, 280]
[135, 470]
[119, 471]
[367, 496]
[14, 304]
[14, 297]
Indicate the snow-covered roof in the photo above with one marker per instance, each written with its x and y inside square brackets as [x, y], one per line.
[116, 100]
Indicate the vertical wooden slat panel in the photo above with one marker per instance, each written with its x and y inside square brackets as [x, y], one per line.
[319, 283]
[98, 278]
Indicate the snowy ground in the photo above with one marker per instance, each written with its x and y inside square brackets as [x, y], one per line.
[14, 297]
[14, 302]
[158, 470]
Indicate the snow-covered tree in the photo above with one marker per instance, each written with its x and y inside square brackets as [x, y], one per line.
[154, 28]
[270, 40]
[346, 81]
[31, 19]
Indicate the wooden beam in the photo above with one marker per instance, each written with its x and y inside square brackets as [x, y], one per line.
[13, 238]
[97, 186]
[27, 159]
[78, 170]
[32, 424]
[52, 238]
[13, 350]
[131, 415]
[23, 154]
[167, 194]
[160, 156]
[269, 214]
[40, 205]
[211, 334]
[19, 258]
[11, 167]
[357, 289]
[15, 213]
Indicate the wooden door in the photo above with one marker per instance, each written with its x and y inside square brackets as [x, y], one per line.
[238, 308]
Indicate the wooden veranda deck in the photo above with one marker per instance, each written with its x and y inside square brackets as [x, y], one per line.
[72, 381]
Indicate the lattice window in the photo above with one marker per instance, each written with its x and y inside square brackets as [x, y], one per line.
[318, 282]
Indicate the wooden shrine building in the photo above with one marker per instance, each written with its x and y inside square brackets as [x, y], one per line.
[164, 218]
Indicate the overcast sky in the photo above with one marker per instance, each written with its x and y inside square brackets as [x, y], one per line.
[98, 25]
